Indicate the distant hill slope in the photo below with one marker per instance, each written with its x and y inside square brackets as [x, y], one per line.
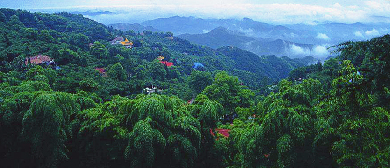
[136, 27]
[180, 25]
[191, 25]
[270, 66]
[220, 37]
[61, 22]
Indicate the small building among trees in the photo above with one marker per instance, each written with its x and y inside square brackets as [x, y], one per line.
[39, 60]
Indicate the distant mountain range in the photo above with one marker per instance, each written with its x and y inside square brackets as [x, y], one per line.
[317, 33]
[136, 27]
[221, 36]
[93, 12]
[295, 40]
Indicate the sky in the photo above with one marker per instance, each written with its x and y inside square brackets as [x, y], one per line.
[275, 11]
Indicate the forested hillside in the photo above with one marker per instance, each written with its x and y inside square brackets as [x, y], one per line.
[71, 96]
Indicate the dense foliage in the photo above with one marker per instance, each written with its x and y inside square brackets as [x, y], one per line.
[91, 109]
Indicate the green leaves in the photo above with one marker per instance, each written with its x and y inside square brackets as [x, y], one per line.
[46, 126]
[117, 72]
[285, 154]
[206, 111]
[163, 132]
[145, 144]
[228, 91]
[99, 50]
[363, 141]
[199, 80]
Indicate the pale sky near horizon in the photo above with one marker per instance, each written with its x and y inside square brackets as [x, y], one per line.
[28, 4]
[279, 11]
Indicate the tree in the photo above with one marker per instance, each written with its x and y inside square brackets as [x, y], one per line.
[206, 111]
[163, 133]
[137, 43]
[101, 138]
[372, 60]
[46, 127]
[67, 56]
[157, 70]
[228, 91]
[351, 126]
[146, 145]
[88, 85]
[2, 17]
[15, 23]
[30, 33]
[199, 80]
[117, 72]
[79, 40]
[99, 50]
[45, 36]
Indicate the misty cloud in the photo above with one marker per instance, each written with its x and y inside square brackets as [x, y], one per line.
[299, 51]
[319, 51]
[248, 32]
[373, 33]
[358, 34]
[323, 36]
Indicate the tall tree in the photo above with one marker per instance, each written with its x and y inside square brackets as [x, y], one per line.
[228, 91]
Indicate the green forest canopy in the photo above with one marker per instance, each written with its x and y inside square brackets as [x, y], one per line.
[91, 109]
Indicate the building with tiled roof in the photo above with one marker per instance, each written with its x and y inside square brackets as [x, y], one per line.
[166, 63]
[39, 60]
[127, 43]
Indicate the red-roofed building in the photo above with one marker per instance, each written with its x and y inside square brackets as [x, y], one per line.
[102, 71]
[168, 64]
[191, 101]
[39, 59]
[223, 132]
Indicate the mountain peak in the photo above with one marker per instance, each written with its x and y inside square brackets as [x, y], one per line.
[219, 30]
[245, 19]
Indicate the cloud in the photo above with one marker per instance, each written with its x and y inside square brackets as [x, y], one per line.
[277, 13]
[378, 5]
[323, 36]
[358, 34]
[372, 33]
[319, 51]
[337, 5]
[299, 51]
[248, 32]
